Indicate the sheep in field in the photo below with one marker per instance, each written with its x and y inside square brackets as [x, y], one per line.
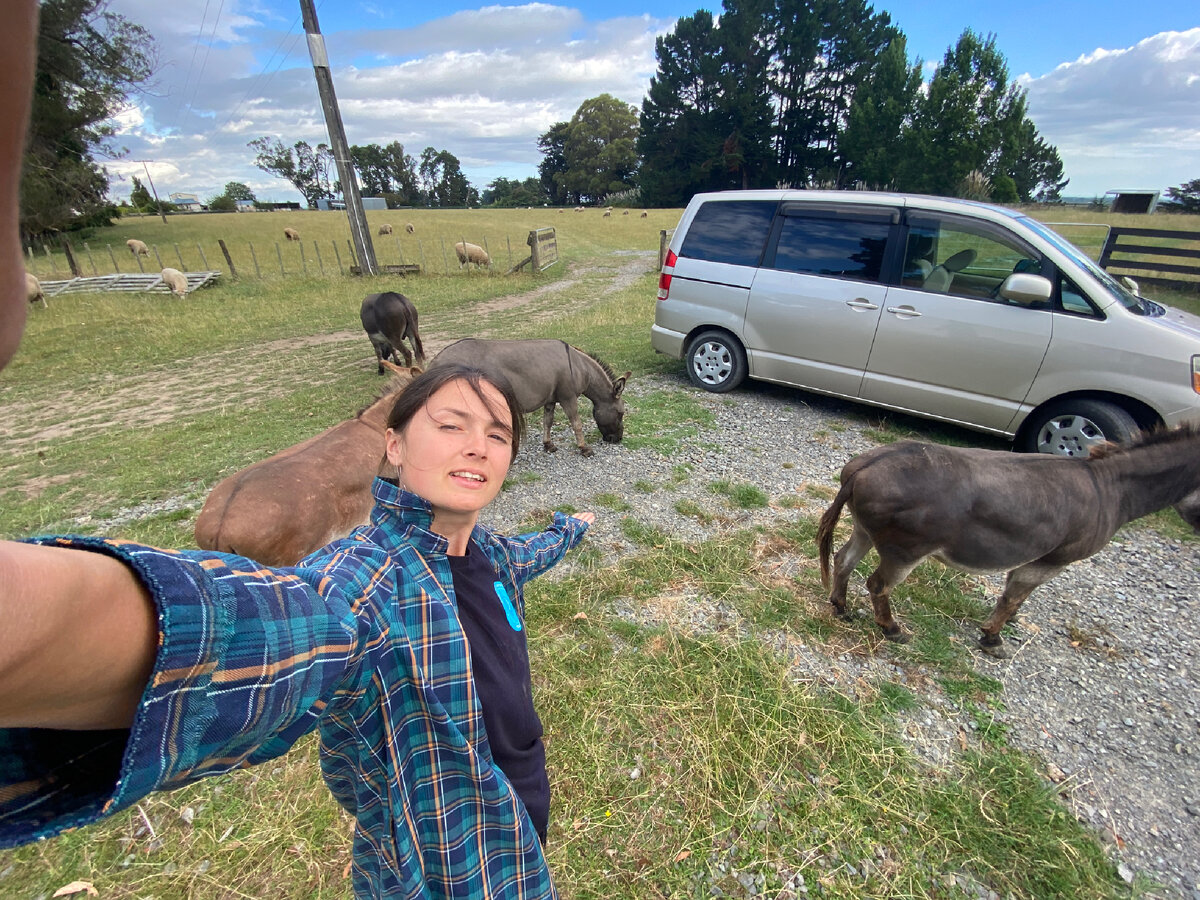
[291, 234]
[471, 253]
[606, 214]
[409, 228]
[176, 281]
[643, 215]
[137, 248]
[625, 213]
[385, 229]
[33, 290]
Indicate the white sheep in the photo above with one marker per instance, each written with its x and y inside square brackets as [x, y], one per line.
[471, 253]
[607, 213]
[137, 248]
[33, 290]
[291, 234]
[385, 229]
[409, 228]
[643, 215]
[176, 281]
[579, 209]
[625, 213]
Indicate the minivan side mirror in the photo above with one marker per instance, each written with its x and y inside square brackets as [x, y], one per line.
[1025, 288]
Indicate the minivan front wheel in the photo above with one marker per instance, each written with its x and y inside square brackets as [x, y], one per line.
[716, 362]
[1073, 427]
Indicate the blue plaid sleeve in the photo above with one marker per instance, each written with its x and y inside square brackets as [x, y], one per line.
[248, 660]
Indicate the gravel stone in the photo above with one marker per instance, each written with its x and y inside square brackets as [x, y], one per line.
[1101, 686]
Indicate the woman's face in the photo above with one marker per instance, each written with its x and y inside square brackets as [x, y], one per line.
[456, 451]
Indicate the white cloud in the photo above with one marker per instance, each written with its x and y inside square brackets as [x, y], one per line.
[481, 83]
[1124, 118]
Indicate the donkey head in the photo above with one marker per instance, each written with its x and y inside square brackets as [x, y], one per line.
[609, 412]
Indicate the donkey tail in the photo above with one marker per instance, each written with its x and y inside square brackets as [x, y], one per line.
[828, 522]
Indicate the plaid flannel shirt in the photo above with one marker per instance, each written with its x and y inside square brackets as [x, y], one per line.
[362, 641]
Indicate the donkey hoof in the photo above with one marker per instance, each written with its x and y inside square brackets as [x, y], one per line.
[995, 651]
[586, 451]
[896, 635]
[841, 612]
[549, 447]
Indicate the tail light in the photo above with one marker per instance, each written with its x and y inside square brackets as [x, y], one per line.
[1195, 359]
[664, 280]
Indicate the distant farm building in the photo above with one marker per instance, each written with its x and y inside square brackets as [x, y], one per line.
[186, 202]
[1133, 201]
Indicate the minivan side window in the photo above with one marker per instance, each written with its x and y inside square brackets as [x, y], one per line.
[731, 232]
[965, 259]
[841, 247]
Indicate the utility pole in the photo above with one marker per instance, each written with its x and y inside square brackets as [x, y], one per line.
[162, 212]
[359, 232]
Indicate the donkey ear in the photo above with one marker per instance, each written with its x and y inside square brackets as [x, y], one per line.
[619, 384]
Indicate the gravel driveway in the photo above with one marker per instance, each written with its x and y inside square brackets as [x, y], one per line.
[1102, 684]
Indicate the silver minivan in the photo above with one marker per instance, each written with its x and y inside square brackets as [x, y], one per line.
[948, 309]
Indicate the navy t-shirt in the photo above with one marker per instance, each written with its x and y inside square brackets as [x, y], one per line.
[500, 662]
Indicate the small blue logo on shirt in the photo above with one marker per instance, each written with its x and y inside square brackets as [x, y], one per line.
[510, 611]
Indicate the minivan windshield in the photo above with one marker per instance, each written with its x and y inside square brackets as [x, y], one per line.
[1118, 291]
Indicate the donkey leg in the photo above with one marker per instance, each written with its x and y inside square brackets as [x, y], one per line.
[547, 424]
[1020, 583]
[889, 574]
[571, 408]
[844, 562]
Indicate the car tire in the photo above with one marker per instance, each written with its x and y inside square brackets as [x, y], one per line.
[1073, 427]
[715, 361]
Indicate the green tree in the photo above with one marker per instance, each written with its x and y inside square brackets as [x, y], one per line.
[1185, 197]
[89, 61]
[222, 203]
[442, 180]
[974, 118]
[509, 193]
[139, 197]
[878, 115]
[236, 190]
[601, 148]
[553, 166]
[679, 130]
[307, 168]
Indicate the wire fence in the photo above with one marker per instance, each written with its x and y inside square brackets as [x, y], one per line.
[395, 254]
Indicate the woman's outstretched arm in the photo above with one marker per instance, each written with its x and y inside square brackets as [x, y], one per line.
[78, 636]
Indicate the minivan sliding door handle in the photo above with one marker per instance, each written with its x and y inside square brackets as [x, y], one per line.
[861, 303]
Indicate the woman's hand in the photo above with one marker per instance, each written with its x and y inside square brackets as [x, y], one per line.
[588, 517]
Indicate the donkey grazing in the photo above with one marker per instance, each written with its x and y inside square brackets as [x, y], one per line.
[989, 511]
[543, 373]
[388, 319]
[280, 509]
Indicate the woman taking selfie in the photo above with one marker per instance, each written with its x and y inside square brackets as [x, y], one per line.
[403, 645]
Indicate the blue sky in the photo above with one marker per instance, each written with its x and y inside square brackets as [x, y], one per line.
[1115, 86]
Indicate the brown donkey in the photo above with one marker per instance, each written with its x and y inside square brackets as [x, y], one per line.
[280, 509]
[983, 511]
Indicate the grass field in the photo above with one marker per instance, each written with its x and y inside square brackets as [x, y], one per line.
[120, 412]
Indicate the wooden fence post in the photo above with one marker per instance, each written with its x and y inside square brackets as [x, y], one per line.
[159, 258]
[91, 262]
[74, 266]
[279, 253]
[254, 256]
[421, 253]
[445, 262]
[320, 262]
[508, 242]
[228, 258]
[204, 259]
[399, 248]
[303, 261]
[489, 256]
[113, 257]
[137, 258]
[350, 248]
[182, 266]
[336, 253]
[49, 259]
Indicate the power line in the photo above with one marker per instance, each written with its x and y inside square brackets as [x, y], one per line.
[187, 78]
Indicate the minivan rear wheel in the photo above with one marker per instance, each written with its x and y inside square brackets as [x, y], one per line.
[716, 361]
[1073, 427]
